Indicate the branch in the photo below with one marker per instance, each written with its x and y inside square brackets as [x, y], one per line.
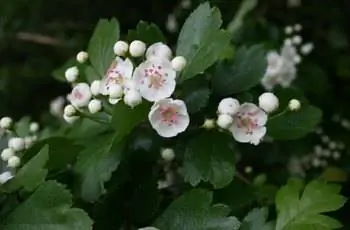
[39, 38]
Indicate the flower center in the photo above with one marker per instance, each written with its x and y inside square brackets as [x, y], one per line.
[169, 115]
[246, 122]
[77, 94]
[155, 76]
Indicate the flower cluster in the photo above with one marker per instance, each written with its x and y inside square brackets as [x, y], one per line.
[282, 67]
[154, 79]
[11, 155]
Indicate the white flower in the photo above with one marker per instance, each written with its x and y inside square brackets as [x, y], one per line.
[298, 27]
[120, 48]
[288, 52]
[82, 56]
[7, 153]
[294, 104]
[14, 162]
[209, 124]
[119, 72]
[155, 79]
[56, 106]
[34, 127]
[171, 23]
[249, 124]
[224, 121]
[297, 39]
[5, 176]
[69, 110]
[132, 98]
[95, 87]
[168, 154]
[16, 143]
[137, 48]
[159, 50]
[5, 122]
[228, 106]
[288, 30]
[115, 91]
[307, 48]
[179, 63]
[169, 117]
[71, 74]
[275, 63]
[95, 106]
[268, 102]
[70, 119]
[80, 95]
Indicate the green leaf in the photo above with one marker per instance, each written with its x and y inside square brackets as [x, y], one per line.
[244, 9]
[304, 212]
[22, 127]
[100, 48]
[201, 41]
[209, 157]
[91, 74]
[96, 163]
[246, 72]
[125, 119]
[196, 99]
[32, 174]
[146, 32]
[257, 220]
[292, 125]
[193, 210]
[49, 208]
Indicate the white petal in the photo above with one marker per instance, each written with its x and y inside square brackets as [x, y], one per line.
[113, 101]
[255, 111]
[5, 176]
[257, 136]
[240, 134]
[159, 50]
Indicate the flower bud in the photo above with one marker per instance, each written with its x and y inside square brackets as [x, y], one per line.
[297, 39]
[228, 106]
[7, 153]
[268, 102]
[120, 48]
[132, 98]
[224, 121]
[71, 74]
[34, 127]
[95, 87]
[5, 122]
[69, 110]
[13, 162]
[115, 91]
[168, 154]
[209, 124]
[179, 63]
[294, 104]
[95, 106]
[137, 48]
[70, 119]
[288, 30]
[82, 56]
[16, 143]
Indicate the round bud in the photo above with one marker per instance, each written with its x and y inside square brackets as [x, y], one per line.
[95, 106]
[288, 42]
[70, 119]
[137, 48]
[34, 127]
[71, 74]
[297, 40]
[69, 110]
[298, 27]
[16, 143]
[120, 48]
[179, 63]
[13, 162]
[5, 122]
[168, 154]
[268, 102]
[209, 124]
[224, 121]
[82, 56]
[248, 169]
[294, 104]
[132, 98]
[159, 50]
[115, 91]
[7, 153]
[306, 48]
[288, 30]
[95, 87]
[228, 106]
[297, 59]
[28, 142]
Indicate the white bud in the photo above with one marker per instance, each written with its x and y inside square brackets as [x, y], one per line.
[7, 153]
[120, 48]
[224, 121]
[13, 162]
[137, 48]
[168, 154]
[82, 56]
[71, 74]
[95, 106]
[336, 155]
[297, 39]
[5, 176]
[268, 102]
[325, 139]
[178, 63]
[288, 30]
[28, 142]
[298, 27]
[288, 42]
[248, 169]
[332, 145]
[297, 59]
[316, 162]
[115, 91]
[129, 84]
[69, 110]
[70, 119]
[16, 143]
[95, 87]
[209, 124]
[132, 98]
[228, 106]
[34, 127]
[307, 48]
[294, 104]
[159, 50]
[171, 23]
[5, 123]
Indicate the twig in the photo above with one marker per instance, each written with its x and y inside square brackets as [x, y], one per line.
[39, 38]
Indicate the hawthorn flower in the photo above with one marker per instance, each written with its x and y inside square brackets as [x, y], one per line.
[169, 117]
[5, 176]
[155, 79]
[80, 95]
[249, 124]
[159, 50]
[117, 74]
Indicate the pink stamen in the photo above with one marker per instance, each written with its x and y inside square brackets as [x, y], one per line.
[169, 115]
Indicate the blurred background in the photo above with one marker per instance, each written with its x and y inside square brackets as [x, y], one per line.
[38, 36]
